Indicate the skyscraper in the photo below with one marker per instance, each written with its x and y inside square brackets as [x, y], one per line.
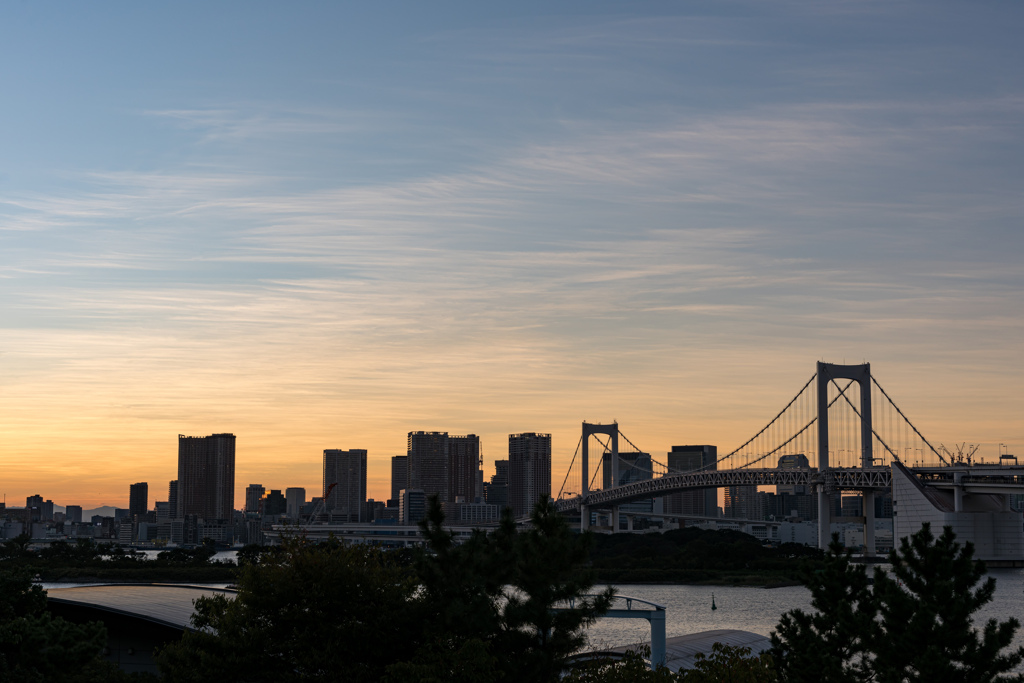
[172, 500]
[463, 467]
[73, 514]
[633, 467]
[399, 476]
[529, 470]
[253, 495]
[346, 469]
[428, 463]
[206, 476]
[687, 459]
[295, 498]
[138, 499]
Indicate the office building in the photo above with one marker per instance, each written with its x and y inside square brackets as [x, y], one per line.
[633, 467]
[496, 492]
[412, 506]
[254, 497]
[347, 471]
[294, 498]
[399, 476]
[274, 505]
[73, 514]
[206, 476]
[529, 471]
[138, 499]
[463, 468]
[741, 502]
[39, 510]
[700, 503]
[428, 463]
[172, 500]
[795, 500]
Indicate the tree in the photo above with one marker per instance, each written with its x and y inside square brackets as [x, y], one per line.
[36, 646]
[927, 604]
[307, 613]
[488, 605]
[828, 645]
[729, 664]
[915, 625]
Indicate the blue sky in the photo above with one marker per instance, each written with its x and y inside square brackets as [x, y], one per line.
[323, 225]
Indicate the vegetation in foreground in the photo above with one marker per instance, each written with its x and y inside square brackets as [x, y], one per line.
[483, 611]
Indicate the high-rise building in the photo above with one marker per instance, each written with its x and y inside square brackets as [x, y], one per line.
[795, 498]
[633, 467]
[138, 499]
[529, 471]
[399, 476]
[463, 467]
[741, 502]
[496, 493]
[73, 514]
[347, 470]
[294, 498]
[253, 497]
[428, 463]
[206, 476]
[274, 504]
[701, 503]
[172, 500]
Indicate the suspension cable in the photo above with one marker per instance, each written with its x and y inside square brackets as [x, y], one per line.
[893, 404]
[724, 457]
[569, 471]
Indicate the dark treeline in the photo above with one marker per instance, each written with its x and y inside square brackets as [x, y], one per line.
[513, 605]
[86, 560]
[692, 555]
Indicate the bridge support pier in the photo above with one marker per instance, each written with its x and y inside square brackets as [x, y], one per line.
[615, 519]
[629, 522]
[584, 517]
[824, 518]
[868, 503]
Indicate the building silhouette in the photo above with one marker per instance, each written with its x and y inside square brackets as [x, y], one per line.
[274, 504]
[399, 477]
[633, 467]
[701, 503]
[463, 468]
[295, 498]
[172, 500]
[412, 506]
[206, 476]
[138, 499]
[529, 471]
[347, 470]
[428, 463]
[496, 492]
[73, 514]
[254, 496]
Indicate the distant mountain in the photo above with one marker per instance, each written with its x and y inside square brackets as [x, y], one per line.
[105, 511]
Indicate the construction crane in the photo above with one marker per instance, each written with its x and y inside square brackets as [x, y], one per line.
[321, 505]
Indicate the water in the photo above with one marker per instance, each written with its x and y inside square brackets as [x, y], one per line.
[688, 609]
[220, 555]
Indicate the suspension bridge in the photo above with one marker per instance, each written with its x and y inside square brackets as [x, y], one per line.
[841, 423]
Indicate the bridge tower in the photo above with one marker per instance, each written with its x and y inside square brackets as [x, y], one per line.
[611, 431]
[862, 375]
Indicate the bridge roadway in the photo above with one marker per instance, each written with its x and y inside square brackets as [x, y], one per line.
[977, 479]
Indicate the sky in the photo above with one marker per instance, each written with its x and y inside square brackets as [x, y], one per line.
[324, 225]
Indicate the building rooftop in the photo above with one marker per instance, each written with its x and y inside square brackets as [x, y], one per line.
[165, 604]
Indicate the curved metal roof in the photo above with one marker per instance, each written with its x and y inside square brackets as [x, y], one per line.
[166, 604]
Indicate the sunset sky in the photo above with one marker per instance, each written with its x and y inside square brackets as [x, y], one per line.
[323, 225]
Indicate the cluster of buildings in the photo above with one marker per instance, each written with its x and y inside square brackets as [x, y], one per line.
[200, 503]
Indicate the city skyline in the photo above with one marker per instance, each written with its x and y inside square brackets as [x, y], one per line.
[325, 226]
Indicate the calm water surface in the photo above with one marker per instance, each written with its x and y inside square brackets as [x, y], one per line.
[758, 609]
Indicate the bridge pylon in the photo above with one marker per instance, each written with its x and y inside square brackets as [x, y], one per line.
[862, 375]
[611, 431]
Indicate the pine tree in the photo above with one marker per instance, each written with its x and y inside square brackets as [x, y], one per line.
[927, 605]
[829, 645]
